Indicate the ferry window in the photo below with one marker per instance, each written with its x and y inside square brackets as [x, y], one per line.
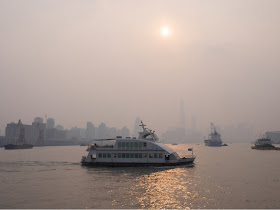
[136, 144]
[136, 155]
[140, 144]
[123, 155]
[119, 155]
[160, 155]
[151, 155]
[127, 144]
[123, 144]
[104, 155]
[130, 144]
[108, 155]
[119, 144]
[115, 155]
[131, 155]
[144, 155]
[127, 155]
[156, 155]
[145, 144]
[100, 155]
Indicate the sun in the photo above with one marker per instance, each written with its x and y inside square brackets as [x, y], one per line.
[165, 31]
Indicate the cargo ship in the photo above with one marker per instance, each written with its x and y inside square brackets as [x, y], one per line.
[214, 139]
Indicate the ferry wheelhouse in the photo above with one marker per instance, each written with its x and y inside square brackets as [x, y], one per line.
[146, 150]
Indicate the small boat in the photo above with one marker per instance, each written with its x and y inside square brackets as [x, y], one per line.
[18, 146]
[214, 139]
[146, 150]
[174, 144]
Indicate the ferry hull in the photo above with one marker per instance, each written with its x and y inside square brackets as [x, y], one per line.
[122, 164]
[265, 148]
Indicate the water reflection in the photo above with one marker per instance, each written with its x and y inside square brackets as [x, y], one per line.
[227, 177]
[150, 187]
[153, 187]
[164, 189]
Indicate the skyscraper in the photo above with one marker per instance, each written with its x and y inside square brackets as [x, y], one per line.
[38, 120]
[137, 128]
[101, 131]
[193, 123]
[182, 115]
[90, 131]
[50, 123]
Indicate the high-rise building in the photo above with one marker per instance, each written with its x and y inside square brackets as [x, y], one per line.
[137, 128]
[11, 130]
[50, 123]
[124, 132]
[38, 120]
[182, 115]
[74, 133]
[53, 133]
[30, 135]
[274, 136]
[193, 123]
[102, 131]
[90, 131]
[59, 127]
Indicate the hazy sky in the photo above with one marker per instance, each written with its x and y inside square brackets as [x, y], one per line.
[107, 61]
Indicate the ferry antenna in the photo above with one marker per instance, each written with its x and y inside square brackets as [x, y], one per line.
[142, 125]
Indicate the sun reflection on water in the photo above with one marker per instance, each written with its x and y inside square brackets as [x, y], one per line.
[166, 188]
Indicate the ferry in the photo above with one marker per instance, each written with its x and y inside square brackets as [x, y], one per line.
[264, 144]
[146, 150]
[214, 138]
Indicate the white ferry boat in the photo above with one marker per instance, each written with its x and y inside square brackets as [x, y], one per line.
[146, 150]
[214, 138]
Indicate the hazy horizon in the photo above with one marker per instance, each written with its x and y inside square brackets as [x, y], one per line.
[108, 61]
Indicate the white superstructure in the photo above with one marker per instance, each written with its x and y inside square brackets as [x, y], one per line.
[141, 151]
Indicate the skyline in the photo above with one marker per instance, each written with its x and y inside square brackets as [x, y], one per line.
[239, 133]
[86, 61]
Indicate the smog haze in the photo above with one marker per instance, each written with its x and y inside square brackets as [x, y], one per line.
[113, 61]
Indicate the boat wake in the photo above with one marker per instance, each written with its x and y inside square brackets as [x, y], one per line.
[36, 163]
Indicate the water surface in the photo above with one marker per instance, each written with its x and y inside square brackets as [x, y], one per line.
[222, 177]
